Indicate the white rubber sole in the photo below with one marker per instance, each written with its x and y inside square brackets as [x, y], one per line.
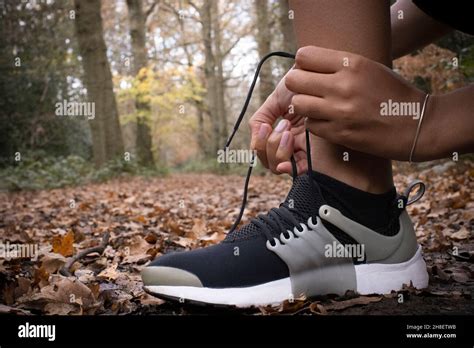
[371, 279]
[379, 278]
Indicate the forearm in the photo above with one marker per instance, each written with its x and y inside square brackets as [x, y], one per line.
[448, 125]
[412, 28]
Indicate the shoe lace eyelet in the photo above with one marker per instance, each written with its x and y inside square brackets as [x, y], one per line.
[271, 246]
[312, 224]
[299, 233]
[285, 239]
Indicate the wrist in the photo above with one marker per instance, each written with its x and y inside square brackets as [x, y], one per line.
[431, 142]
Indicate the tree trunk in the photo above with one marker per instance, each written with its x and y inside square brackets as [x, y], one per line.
[219, 71]
[198, 104]
[105, 127]
[266, 85]
[286, 27]
[137, 19]
[210, 74]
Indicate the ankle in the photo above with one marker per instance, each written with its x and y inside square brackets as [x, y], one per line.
[372, 182]
[364, 172]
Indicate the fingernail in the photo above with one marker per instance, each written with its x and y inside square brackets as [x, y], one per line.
[262, 132]
[284, 139]
[281, 126]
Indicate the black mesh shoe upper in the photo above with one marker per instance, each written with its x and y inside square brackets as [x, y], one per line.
[241, 263]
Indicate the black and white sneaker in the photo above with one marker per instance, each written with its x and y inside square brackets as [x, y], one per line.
[303, 248]
[306, 247]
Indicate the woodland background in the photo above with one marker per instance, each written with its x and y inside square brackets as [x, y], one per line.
[168, 78]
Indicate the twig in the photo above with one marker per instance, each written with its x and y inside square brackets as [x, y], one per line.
[66, 269]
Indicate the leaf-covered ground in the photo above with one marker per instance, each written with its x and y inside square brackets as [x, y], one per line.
[139, 219]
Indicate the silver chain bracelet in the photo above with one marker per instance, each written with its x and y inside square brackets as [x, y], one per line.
[419, 127]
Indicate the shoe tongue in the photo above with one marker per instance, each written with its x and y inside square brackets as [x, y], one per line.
[303, 201]
[304, 197]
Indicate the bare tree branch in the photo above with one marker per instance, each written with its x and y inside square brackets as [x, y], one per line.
[152, 8]
[66, 269]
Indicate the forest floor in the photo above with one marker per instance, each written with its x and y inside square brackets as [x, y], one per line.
[145, 218]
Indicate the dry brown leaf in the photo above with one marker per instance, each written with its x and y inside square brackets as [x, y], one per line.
[148, 300]
[110, 273]
[175, 228]
[462, 234]
[138, 259]
[85, 275]
[54, 308]
[12, 310]
[185, 242]
[151, 238]
[317, 308]
[62, 296]
[356, 301]
[136, 251]
[212, 239]
[24, 287]
[140, 219]
[95, 289]
[41, 277]
[52, 262]
[199, 229]
[64, 244]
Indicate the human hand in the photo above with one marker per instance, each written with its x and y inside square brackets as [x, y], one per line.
[345, 96]
[275, 147]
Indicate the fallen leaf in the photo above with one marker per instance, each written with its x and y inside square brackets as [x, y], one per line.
[24, 287]
[175, 228]
[140, 219]
[317, 308]
[185, 242]
[64, 244]
[199, 229]
[356, 301]
[62, 296]
[136, 251]
[148, 300]
[12, 310]
[41, 277]
[85, 275]
[52, 262]
[110, 273]
[151, 238]
[462, 234]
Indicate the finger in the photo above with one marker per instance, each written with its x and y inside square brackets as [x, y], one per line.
[259, 142]
[301, 164]
[319, 59]
[312, 107]
[310, 83]
[274, 142]
[285, 148]
[264, 115]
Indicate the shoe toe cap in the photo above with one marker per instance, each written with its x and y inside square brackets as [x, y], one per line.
[169, 276]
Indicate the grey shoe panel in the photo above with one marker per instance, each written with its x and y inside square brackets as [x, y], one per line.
[408, 245]
[378, 248]
[311, 272]
[161, 275]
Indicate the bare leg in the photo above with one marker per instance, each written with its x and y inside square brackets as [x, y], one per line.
[361, 27]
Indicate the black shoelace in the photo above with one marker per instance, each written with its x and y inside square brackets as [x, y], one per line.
[276, 216]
